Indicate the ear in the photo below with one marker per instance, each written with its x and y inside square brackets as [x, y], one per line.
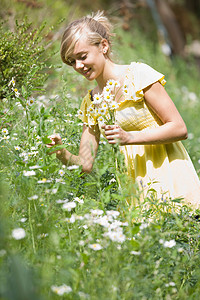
[104, 46]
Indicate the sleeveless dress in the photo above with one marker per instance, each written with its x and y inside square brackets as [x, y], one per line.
[165, 168]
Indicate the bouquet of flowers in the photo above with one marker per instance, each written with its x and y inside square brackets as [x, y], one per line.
[103, 106]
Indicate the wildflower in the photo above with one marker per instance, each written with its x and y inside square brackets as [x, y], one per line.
[15, 90]
[61, 290]
[28, 173]
[5, 137]
[79, 200]
[113, 213]
[61, 172]
[80, 113]
[34, 167]
[97, 99]
[95, 247]
[31, 101]
[12, 82]
[81, 243]
[135, 252]
[44, 180]
[18, 233]
[4, 131]
[69, 205]
[90, 109]
[71, 220]
[17, 94]
[96, 212]
[23, 220]
[116, 236]
[34, 197]
[169, 244]
[17, 148]
[72, 167]
[143, 226]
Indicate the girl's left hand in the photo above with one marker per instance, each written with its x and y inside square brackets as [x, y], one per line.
[115, 134]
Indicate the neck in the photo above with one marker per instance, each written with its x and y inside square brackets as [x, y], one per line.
[109, 72]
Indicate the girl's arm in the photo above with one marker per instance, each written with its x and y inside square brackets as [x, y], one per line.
[87, 151]
[172, 130]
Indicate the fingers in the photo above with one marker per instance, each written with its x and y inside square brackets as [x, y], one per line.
[112, 133]
[55, 140]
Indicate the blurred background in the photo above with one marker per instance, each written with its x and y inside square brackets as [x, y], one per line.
[175, 24]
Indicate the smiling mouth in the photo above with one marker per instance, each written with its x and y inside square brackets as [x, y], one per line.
[86, 72]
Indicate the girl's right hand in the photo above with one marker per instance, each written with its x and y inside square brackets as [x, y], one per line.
[56, 140]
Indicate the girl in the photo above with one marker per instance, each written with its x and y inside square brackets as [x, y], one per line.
[148, 126]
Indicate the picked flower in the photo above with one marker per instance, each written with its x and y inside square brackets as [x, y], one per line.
[108, 97]
[90, 109]
[97, 99]
[102, 110]
[110, 83]
[125, 89]
[101, 120]
[113, 105]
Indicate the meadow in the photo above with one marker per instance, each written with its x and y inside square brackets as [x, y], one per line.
[69, 235]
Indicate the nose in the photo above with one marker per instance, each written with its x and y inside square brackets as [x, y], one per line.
[79, 64]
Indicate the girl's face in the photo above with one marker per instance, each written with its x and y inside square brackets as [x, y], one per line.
[88, 60]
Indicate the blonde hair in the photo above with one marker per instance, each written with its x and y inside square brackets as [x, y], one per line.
[97, 26]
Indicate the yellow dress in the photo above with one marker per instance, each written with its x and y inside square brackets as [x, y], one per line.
[166, 168]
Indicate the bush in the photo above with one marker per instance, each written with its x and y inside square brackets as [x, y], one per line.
[21, 62]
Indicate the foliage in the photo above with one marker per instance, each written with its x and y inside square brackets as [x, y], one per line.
[20, 59]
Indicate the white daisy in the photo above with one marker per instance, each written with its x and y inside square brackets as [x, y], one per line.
[18, 233]
[97, 99]
[61, 290]
[107, 89]
[110, 83]
[108, 97]
[12, 82]
[95, 247]
[17, 148]
[101, 120]
[102, 110]
[4, 131]
[29, 173]
[61, 172]
[113, 105]
[90, 109]
[80, 113]
[31, 101]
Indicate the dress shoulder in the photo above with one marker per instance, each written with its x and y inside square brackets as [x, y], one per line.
[140, 76]
[83, 112]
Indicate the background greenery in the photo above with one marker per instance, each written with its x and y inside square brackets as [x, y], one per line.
[152, 253]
